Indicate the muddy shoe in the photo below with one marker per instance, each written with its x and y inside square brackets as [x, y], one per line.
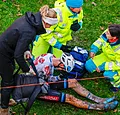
[12, 102]
[111, 106]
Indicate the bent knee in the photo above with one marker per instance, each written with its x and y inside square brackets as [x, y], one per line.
[110, 75]
[69, 97]
[72, 80]
[72, 83]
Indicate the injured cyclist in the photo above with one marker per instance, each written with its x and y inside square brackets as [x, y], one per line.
[45, 65]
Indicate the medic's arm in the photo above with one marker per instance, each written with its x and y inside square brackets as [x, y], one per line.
[97, 45]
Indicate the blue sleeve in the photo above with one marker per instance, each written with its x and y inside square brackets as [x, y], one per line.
[37, 37]
[58, 45]
[104, 37]
[102, 67]
[94, 49]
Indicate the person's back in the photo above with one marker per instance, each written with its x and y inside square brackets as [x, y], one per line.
[13, 43]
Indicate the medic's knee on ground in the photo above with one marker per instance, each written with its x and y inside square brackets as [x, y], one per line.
[116, 81]
[90, 66]
[114, 78]
[109, 75]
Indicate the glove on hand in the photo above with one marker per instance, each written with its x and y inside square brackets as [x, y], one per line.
[27, 55]
[54, 78]
[75, 26]
[44, 87]
[67, 49]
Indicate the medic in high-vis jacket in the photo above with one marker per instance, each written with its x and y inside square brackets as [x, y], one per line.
[70, 16]
[109, 59]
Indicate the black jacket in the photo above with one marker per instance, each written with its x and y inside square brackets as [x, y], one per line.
[16, 39]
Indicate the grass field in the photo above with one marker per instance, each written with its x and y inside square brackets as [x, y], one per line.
[98, 14]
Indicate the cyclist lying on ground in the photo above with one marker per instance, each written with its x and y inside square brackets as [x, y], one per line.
[45, 65]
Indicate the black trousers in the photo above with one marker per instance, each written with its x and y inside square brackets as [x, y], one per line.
[7, 67]
[22, 93]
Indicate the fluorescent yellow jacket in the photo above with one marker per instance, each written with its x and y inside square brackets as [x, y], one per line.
[111, 52]
[59, 34]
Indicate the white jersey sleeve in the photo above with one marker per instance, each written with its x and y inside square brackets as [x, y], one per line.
[44, 65]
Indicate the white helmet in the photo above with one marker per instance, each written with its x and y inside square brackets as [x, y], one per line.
[68, 61]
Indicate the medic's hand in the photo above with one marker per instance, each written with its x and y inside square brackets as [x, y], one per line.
[92, 54]
[27, 55]
[101, 67]
[44, 86]
[98, 70]
[75, 27]
[54, 78]
[67, 49]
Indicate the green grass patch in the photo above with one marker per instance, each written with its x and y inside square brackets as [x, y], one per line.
[98, 14]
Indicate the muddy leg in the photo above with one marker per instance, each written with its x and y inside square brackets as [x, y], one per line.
[86, 105]
[75, 85]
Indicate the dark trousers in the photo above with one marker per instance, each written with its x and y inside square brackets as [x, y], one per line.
[25, 92]
[6, 71]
